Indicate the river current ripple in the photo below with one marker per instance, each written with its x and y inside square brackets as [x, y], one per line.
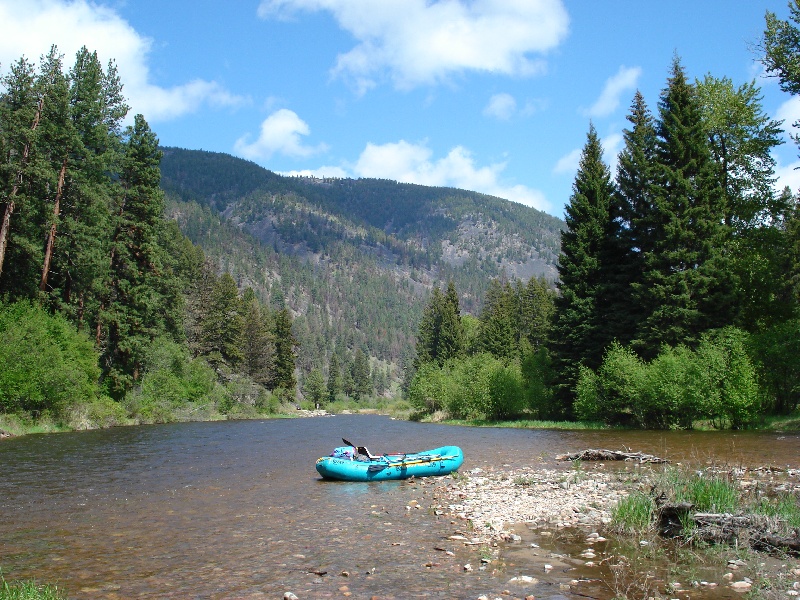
[235, 509]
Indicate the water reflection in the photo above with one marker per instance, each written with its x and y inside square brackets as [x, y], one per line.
[236, 509]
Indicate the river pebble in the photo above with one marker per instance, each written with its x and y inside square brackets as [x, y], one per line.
[495, 501]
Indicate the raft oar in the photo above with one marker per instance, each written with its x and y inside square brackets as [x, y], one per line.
[360, 449]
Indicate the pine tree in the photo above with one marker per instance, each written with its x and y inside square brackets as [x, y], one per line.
[686, 284]
[285, 354]
[580, 335]
[536, 310]
[634, 183]
[81, 250]
[133, 306]
[441, 332]
[222, 326]
[259, 344]
[499, 321]
[334, 384]
[21, 107]
[362, 383]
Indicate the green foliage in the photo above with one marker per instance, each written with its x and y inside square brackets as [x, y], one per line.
[476, 387]
[633, 514]
[538, 375]
[581, 333]
[174, 384]
[47, 364]
[314, 388]
[285, 355]
[716, 382]
[776, 355]
[687, 284]
[28, 590]
[441, 333]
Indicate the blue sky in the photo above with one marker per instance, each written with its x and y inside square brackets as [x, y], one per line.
[489, 95]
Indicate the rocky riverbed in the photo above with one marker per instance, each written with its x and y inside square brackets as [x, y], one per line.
[494, 501]
[503, 510]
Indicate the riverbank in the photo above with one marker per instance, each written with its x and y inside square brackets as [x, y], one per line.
[502, 510]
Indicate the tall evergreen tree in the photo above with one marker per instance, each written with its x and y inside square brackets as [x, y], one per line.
[222, 326]
[686, 284]
[634, 183]
[441, 332]
[334, 383]
[134, 307]
[259, 343]
[285, 355]
[579, 333]
[21, 106]
[499, 321]
[81, 250]
[362, 383]
[536, 310]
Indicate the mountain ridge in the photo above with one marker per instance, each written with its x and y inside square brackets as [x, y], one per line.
[326, 247]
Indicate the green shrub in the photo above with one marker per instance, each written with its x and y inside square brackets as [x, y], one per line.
[633, 514]
[505, 392]
[47, 364]
[715, 382]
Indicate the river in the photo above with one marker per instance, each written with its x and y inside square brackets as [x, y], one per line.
[235, 509]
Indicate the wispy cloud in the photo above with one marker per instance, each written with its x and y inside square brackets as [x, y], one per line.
[414, 163]
[623, 81]
[501, 106]
[281, 133]
[29, 28]
[419, 42]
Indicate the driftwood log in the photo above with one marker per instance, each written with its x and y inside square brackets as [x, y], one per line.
[769, 542]
[612, 455]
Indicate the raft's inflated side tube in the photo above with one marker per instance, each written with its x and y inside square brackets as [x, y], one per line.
[439, 461]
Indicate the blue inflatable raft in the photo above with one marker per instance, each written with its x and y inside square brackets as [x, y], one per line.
[351, 467]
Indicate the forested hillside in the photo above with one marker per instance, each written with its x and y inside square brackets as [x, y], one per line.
[354, 260]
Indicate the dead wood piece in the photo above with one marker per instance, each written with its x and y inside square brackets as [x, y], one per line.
[592, 454]
[671, 518]
[769, 542]
[726, 519]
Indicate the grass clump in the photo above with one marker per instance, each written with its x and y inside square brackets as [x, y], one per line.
[28, 590]
[633, 514]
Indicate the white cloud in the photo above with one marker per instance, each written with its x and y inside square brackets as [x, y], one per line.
[422, 42]
[414, 163]
[29, 28]
[568, 164]
[789, 113]
[280, 133]
[788, 175]
[624, 80]
[501, 106]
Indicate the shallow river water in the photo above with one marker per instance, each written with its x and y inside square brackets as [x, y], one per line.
[236, 509]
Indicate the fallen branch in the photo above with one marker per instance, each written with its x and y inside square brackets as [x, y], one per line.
[768, 542]
[612, 455]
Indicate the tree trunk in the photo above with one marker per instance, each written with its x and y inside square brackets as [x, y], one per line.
[10, 203]
[51, 237]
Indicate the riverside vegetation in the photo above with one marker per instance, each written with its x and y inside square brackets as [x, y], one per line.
[129, 295]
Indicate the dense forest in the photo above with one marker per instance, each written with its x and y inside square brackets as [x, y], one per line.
[146, 284]
[108, 311]
[678, 289]
[158, 283]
